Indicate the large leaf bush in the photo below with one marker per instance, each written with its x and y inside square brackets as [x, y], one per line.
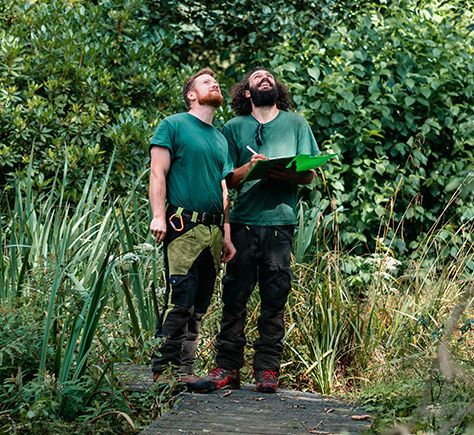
[390, 89]
[393, 96]
[80, 79]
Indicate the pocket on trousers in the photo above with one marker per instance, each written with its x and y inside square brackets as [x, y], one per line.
[277, 273]
[181, 291]
[277, 285]
[285, 232]
[285, 274]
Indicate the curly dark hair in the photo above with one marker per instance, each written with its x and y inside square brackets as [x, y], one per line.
[242, 105]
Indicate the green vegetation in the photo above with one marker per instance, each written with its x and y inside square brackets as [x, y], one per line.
[381, 309]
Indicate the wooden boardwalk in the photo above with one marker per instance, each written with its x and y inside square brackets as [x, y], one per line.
[246, 411]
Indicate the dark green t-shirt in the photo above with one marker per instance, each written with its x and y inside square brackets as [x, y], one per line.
[266, 201]
[199, 162]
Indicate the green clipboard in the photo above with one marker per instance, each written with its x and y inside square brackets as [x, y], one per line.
[301, 162]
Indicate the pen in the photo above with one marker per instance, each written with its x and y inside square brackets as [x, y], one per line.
[252, 150]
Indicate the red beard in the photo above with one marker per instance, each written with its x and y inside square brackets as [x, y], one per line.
[212, 98]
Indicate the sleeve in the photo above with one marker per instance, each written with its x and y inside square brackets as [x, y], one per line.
[228, 163]
[306, 141]
[164, 137]
[234, 152]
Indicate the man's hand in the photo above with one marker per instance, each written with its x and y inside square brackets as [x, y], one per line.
[228, 250]
[239, 173]
[255, 158]
[305, 177]
[282, 174]
[158, 229]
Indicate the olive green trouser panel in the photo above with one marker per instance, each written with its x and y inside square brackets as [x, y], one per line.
[183, 251]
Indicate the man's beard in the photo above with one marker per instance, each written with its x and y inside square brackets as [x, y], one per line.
[264, 97]
[212, 98]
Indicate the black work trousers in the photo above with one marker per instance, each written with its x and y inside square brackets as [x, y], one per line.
[263, 256]
[188, 293]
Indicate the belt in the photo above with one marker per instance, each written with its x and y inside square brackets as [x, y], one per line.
[179, 213]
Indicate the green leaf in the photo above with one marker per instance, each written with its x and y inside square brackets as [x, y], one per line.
[288, 66]
[409, 101]
[337, 118]
[380, 168]
[314, 73]
[426, 92]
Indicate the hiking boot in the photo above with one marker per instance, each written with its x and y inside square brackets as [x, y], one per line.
[267, 381]
[217, 379]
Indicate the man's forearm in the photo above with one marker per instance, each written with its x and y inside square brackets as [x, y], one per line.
[290, 176]
[239, 173]
[157, 194]
[225, 202]
[228, 249]
[160, 164]
[227, 219]
[237, 176]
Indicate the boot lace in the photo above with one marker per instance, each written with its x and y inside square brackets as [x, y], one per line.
[269, 375]
[216, 373]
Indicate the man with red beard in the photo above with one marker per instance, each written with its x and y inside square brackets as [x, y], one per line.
[263, 220]
[188, 197]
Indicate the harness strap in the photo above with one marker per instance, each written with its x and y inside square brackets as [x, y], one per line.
[178, 212]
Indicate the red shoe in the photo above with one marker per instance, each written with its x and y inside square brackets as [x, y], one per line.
[217, 379]
[267, 381]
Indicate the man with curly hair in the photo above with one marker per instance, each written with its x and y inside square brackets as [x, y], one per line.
[262, 221]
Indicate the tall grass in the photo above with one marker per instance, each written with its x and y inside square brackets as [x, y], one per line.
[351, 317]
[81, 264]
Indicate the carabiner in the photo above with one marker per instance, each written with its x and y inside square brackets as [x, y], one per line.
[180, 217]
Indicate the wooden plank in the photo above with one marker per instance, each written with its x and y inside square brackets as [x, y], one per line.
[249, 412]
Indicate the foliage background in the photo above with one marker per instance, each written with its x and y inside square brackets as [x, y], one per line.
[384, 247]
[388, 87]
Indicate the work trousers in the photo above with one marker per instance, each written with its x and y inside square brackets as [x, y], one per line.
[192, 260]
[263, 256]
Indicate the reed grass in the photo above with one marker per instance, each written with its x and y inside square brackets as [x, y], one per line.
[79, 262]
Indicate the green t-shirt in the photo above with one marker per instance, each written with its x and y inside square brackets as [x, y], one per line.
[199, 162]
[266, 201]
